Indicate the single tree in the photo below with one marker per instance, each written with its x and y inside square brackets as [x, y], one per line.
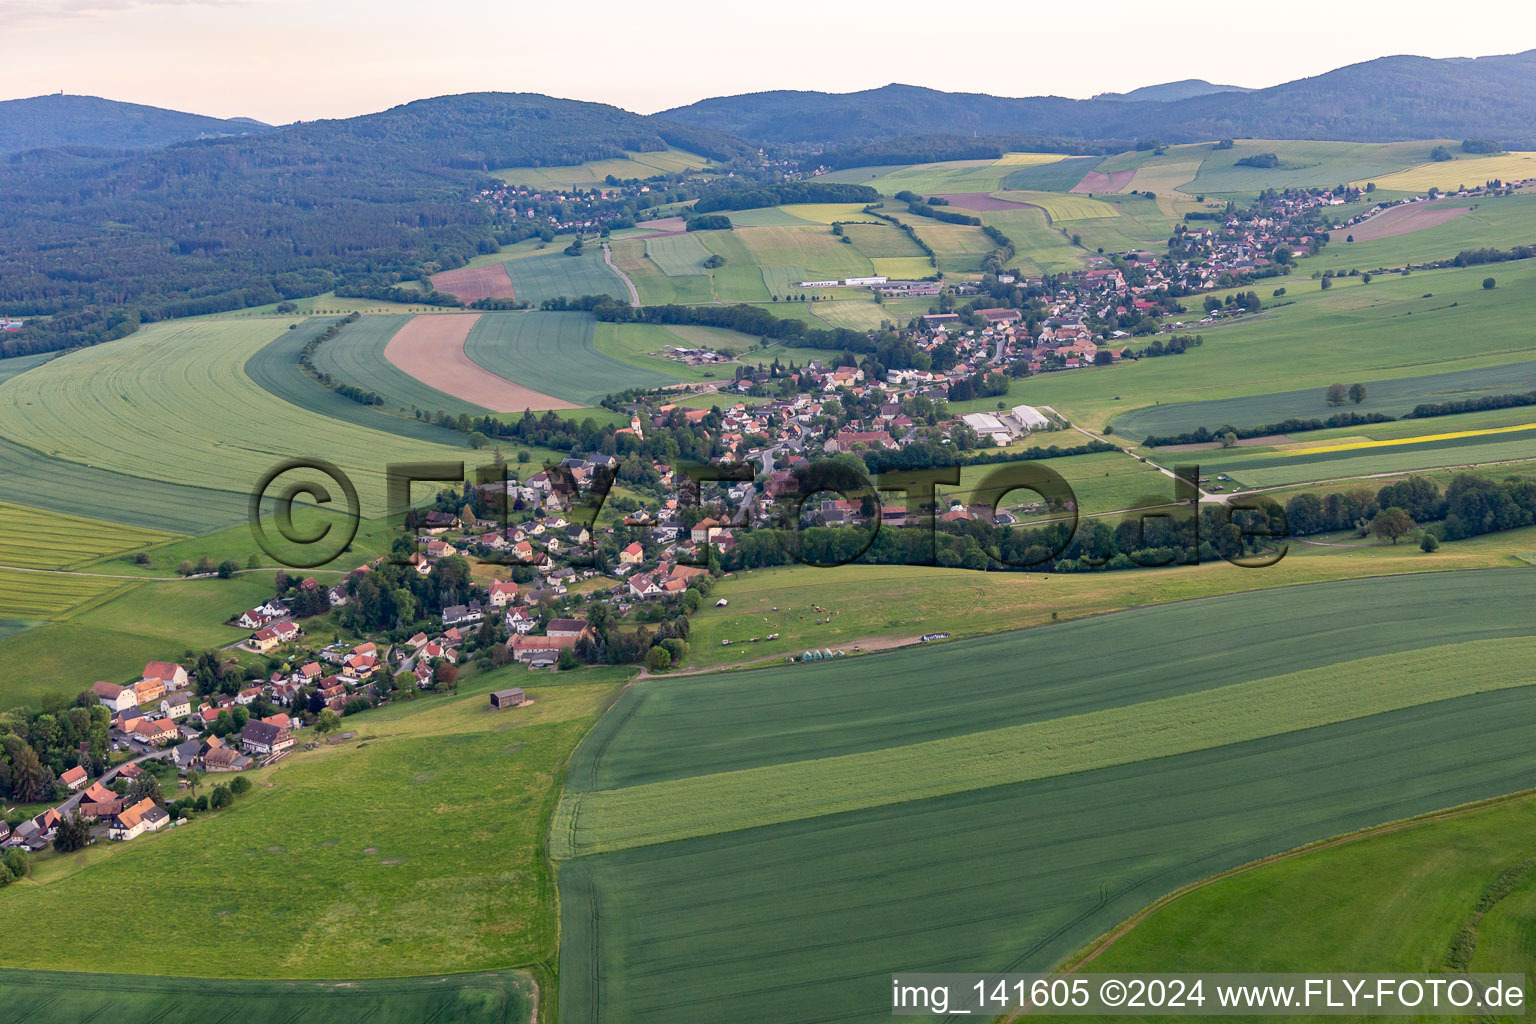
[327, 722]
[1392, 523]
[1336, 394]
[1429, 542]
[1357, 393]
[71, 835]
[1488, 283]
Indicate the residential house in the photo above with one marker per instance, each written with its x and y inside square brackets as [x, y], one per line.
[634, 554]
[520, 620]
[132, 822]
[502, 593]
[152, 731]
[74, 778]
[458, 614]
[114, 697]
[168, 672]
[176, 705]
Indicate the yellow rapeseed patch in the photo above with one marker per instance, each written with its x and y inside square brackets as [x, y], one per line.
[1352, 446]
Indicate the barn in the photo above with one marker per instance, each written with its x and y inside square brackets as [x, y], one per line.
[508, 698]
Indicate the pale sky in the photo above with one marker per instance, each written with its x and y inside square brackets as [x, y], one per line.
[285, 60]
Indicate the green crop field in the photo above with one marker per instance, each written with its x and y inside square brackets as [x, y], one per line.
[503, 997]
[742, 798]
[172, 403]
[39, 595]
[1420, 882]
[854, 314]
[903, 267]
[1056, 176]
[551, 275]
[418, 843]
[677, 255]
[594, 173]
[1302, 164]
[879, 240]
[355, 355]
[656, 288]
[21, 364]
[1262, 468]
[1394, 326]
[953, 175]
[1015, 876]
[1039, 247]
[741, 279]
[1062, 206]
[1392, 397]
[958, 248]
[1500, 222]
[813, 249]
[34, 539]
[557, 354]
[72, 488]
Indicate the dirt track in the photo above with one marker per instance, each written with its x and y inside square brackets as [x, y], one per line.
[431, 349]
[472, 283]
[1402, 220]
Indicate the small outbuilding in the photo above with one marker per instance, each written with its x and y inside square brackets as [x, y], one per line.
[508, 698]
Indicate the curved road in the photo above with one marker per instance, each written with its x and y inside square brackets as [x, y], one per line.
[634, 296]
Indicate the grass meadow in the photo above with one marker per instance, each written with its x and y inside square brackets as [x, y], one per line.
[1419, 882]
[419, 842]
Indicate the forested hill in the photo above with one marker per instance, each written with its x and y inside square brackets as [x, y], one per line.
[104, 240]
[1182, 90]
[91, 122]
[1380, 100]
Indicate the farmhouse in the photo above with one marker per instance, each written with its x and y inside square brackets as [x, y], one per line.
[263, 738]
[147, 691]
[99, 802]
[540, 650]
[223, 759]
[567, 627]
[117, 698]
[132, 822]
[172, 675]
[511, 698]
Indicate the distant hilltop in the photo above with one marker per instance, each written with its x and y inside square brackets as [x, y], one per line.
[1188, 89]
